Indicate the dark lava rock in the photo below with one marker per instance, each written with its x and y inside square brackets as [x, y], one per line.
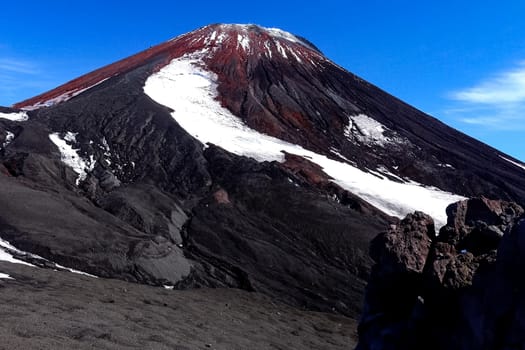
[394, 289]
[461, 291]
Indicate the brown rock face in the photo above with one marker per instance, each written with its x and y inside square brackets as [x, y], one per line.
[394, 287]
[221, 196]
[405, 247]
[459, 290]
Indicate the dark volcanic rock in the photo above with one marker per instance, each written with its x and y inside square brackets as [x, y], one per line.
[462, 291]
[266, 237]
[405, 247]
[394, 289]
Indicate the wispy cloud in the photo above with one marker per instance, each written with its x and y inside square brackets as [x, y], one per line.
[19, 78]
[502, 89]
[18, 66]
[496, 102]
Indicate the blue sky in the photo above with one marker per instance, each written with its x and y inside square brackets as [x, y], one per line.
[462, 62]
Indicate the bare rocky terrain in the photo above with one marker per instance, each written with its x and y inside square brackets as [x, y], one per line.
[46, 309]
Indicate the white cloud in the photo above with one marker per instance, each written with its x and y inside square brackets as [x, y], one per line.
[17, 66]
[496, 102]
[19, 79]
[504, 88]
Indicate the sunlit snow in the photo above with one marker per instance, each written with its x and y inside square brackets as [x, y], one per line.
[190, 91]
[279, 33]
[445, 165]
[6, 250]
[273, 32]
[243, 41]
[16, 116]
[61, 98]
[268, 48]
[5, 247]
[70, 156]
[368, 130]
[522, 166]
[281, 49]
[9, 137]
[5, 276]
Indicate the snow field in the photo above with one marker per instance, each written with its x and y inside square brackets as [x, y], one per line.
[16, 117]
[188, 89]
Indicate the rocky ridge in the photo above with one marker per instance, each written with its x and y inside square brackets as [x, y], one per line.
[460, 289]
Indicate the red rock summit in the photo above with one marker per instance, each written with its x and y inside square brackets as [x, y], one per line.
[221, 41]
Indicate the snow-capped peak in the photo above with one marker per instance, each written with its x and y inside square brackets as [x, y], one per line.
[243, 30]
[251, 39]
[217, 39]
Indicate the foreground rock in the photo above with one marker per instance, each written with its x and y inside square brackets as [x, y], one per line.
[461, 289]
[44, 309]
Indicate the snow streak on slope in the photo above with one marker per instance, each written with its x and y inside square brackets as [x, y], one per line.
[190, 91]
[5, 276]
[513, 162]
[70, 156]
[61, 98]
[16, 117]
[5, 255]
[8, 252]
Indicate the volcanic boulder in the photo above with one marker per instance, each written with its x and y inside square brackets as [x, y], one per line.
[459, 290]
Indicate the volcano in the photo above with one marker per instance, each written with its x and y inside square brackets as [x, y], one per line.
[234, 156]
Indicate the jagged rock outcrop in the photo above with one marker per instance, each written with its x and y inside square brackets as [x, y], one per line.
[459, 290]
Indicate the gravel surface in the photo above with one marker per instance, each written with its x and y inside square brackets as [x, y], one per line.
[45, 309]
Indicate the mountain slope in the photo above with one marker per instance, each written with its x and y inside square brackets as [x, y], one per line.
[168, 168]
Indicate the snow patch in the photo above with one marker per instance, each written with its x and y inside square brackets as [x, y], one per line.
[244, 42]
[369, 131]
[5, 276]
[279, 33]
[268, 48]
[107, 150]
[275, 33]
[5, 255]
[296, 56]
[446, 165]
[7, 252]
[281, 49]
[519, 165]
[221, 37]
[191, 92]
[70, 156]
[9, 137]
[15, 117]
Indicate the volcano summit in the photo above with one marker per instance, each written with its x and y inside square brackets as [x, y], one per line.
[234, 156]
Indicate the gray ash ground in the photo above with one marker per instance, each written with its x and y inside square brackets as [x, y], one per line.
[45, 309]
